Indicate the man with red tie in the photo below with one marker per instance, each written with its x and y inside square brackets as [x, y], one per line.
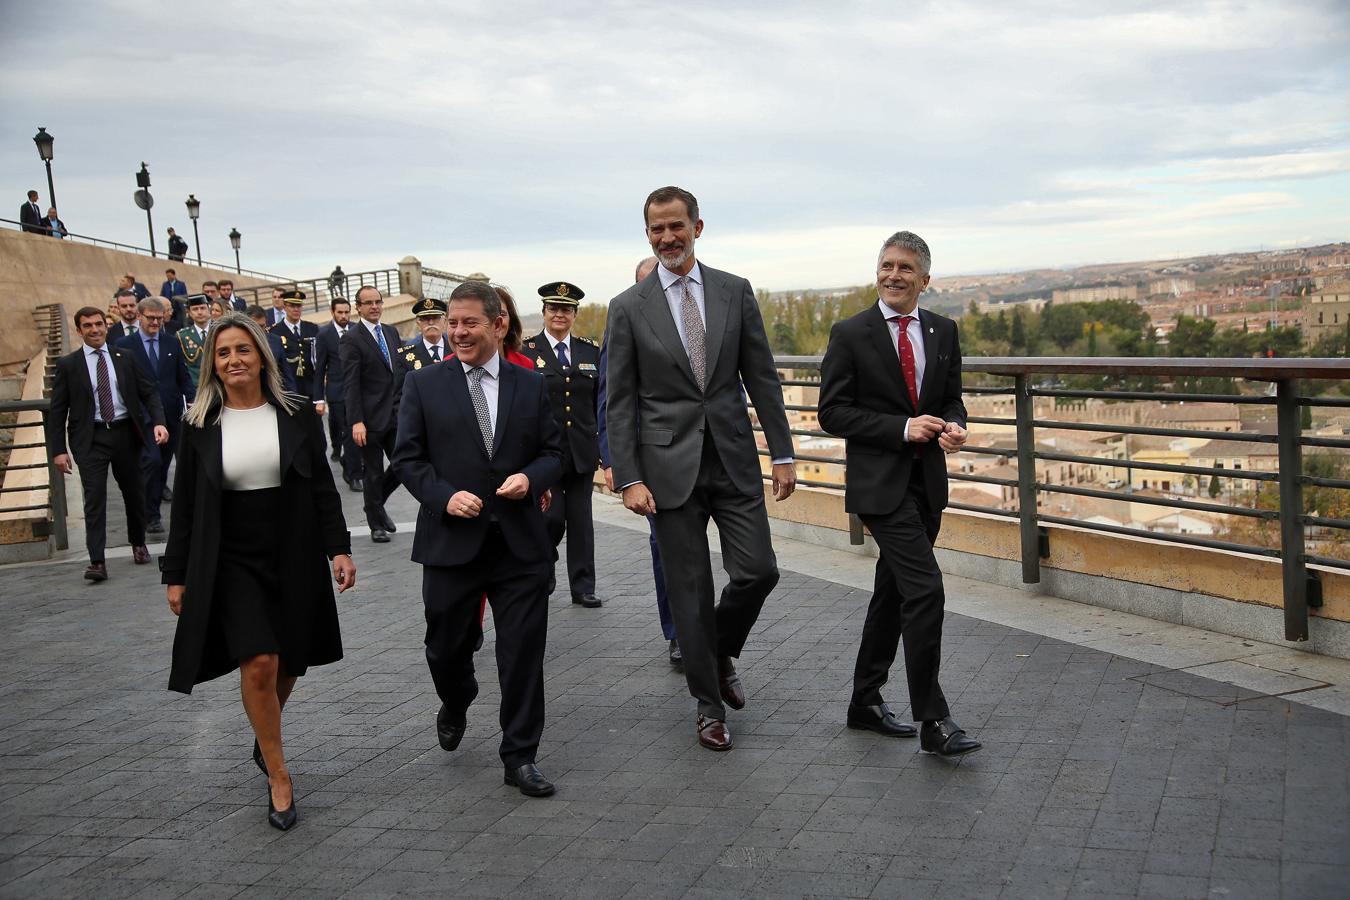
[890, 384]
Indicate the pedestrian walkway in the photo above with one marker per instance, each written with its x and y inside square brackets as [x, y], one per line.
[1103, 774]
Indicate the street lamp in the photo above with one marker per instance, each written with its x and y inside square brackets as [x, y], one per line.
[234, 242]
[145, 201]
[44, 143]
[194, 210]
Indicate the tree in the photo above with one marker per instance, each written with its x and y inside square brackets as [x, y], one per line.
[1092, 340]
[1214, 487]
[1062, 324]
[1018, 332]
[1192, 337]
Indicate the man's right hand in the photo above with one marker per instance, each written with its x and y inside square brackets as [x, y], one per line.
[923, 429]
[62, 463]
[359, 433]
[640, 500]
[465, 505]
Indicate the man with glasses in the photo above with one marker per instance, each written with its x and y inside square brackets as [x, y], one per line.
[160, 357]
[372, 381]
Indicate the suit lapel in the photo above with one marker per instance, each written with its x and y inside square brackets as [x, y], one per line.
[543, 342]
[930, 355]
[656, 311]
[716, 304]
[506, 394]
[457, 386]
[290, 436]
[880, 334]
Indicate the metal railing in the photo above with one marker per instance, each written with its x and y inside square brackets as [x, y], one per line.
[131, 248]
[1033, 377]
[55, 489]
[319, 292]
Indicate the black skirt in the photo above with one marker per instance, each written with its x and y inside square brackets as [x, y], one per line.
[247, 603]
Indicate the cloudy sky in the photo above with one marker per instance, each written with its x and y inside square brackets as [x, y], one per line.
[520, 139]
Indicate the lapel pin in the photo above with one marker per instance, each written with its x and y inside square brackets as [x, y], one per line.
[930, 330]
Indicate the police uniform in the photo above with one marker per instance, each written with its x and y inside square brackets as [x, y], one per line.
[192, 343]
[415, 355]
[572, 395]
[298, 352]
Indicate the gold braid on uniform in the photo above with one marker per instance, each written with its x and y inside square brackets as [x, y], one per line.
[188, 354]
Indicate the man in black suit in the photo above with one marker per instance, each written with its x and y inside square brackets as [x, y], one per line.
[477, 446]
[297, 341]
[128, 307]
[100, 395]
[31, 217]
[226, 287]
[178, 247]
[570, 365]
[172, 289]
[890, 384]
[431, 345]
[372, 381]
[682, 342]
[328, 385]
[160, 357]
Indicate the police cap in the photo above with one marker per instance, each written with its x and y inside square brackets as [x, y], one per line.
[562, 293]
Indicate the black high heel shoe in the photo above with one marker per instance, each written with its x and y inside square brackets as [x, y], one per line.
[280, 819]
[258, 757]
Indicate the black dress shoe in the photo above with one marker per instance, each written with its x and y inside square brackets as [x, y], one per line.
[676, 657]
[167, 496]
[155, 527]
[379, 535]
[280, 819]
[552, 584]
[879, 719]
[529, 780]
[356, 485]
[389, 525]
[258, 757]
[590, 601]
[478, 644]
[946, 738]
[336, 456]
[449, 731]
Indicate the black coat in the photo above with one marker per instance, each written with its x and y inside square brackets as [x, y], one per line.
[328, 365]
[371, 387]
[440, 452]
[300, 358]
[416, 355]
[311, 513]
[73, 401]
[175, 386]
[573, 395]
[863, 399]
[32, 220]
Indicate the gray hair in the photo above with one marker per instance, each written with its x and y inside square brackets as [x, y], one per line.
[479, 290]
[648, 263]
[211, 391]
[150, 303]
[908, 240]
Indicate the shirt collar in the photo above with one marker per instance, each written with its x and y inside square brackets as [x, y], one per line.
[442, 346]
[90, 351]
[553, 342]
[492, 366]
[369, 327]
[889, 313]
[668, 277]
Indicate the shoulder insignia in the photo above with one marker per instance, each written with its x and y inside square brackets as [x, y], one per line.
[530, 345]
[283, 339]
[539, 362]
[416, 365]
[585, 340]
[410, 356]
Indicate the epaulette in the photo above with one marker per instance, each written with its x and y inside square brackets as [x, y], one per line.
[585, 340]
[530, 344]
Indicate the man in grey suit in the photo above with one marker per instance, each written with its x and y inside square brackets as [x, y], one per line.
[682, 342]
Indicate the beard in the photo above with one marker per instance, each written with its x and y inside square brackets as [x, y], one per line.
[676, 262]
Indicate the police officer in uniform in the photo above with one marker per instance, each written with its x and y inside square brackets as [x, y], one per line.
[570, 365]
[297, 344]
[432, 346]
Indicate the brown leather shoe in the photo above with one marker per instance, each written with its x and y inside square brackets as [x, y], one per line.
[140, 554]
[729, 684]
[713, 734]
[96, 572]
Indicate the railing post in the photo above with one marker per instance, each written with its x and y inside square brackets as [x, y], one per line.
[1026, 482]
[1293, 565]
[410, 276]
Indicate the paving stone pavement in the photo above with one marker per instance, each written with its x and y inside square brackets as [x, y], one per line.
[1101, 776]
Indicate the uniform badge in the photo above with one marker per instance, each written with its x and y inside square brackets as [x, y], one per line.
[539, 363]
[563, 288]
[416, 365]
[587, 367]
[531, 345]
[410, 357]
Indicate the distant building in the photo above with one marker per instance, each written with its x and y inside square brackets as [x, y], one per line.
[1326, 312]
[1096, 293]
[1174, 287]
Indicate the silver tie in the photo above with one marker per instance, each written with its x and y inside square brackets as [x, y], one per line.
[480, 406]
[694, 336]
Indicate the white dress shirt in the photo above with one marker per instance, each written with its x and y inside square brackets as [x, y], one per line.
[341, 329]
[443, 347]
[566, 342]
[915, 332]
[91, 362]
[675, 297]
[490, 384]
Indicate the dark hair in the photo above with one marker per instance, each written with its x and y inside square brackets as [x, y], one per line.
[514, 330]
[126, 293]
[666, 195]
[170, 271]
[367, 287]
[253, 311]
[32, 193]
[85, 312]
[333, 304]
[224, 281]
[212, 283]
[479, 290]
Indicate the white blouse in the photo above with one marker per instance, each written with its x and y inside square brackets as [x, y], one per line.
[250, 450]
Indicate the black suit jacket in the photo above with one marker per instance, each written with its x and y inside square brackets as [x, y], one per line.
[116, 331]
[328, 364]
[439, 452]
[32, 220]
[574, 395]
[864, 400]
[74, 404]
[300, 359]
[372, 388]
[171, 376]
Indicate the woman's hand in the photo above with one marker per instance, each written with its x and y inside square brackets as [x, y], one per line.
[176, 592]
[344, 572]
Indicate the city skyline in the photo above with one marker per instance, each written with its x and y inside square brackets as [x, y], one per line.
[522, 145]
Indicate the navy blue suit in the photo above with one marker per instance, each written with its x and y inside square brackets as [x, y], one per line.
[176, 391]
[658, 574]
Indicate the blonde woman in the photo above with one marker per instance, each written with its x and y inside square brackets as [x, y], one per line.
[252, 479]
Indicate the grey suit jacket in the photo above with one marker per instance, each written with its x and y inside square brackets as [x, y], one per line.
[655, 413]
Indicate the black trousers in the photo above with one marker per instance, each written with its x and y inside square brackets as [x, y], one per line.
[155, 462]
[340, 434]
[707, 629]
[115, 448]
[451, 595]
[907, 602]
[570, 515]
[379, 482]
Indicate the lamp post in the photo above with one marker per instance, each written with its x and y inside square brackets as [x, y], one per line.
[194, 207]
[234, 242]
[44, 143]
[145, 201]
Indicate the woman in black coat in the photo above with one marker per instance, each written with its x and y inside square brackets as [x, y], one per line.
[252, 481]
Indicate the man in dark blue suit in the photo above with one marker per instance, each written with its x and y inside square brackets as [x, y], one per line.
[171, 290]
[160, 356]
[477, 446]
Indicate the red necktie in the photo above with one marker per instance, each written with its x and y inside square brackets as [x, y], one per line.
[907, 361]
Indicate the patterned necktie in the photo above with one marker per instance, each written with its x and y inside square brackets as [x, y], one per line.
[562, 355]
[694, 336]
[907, 366]
[480, 406]
[105, 397]
[435, 353]
[384, 348]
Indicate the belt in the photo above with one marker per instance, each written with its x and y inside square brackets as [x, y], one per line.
[115, 423]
